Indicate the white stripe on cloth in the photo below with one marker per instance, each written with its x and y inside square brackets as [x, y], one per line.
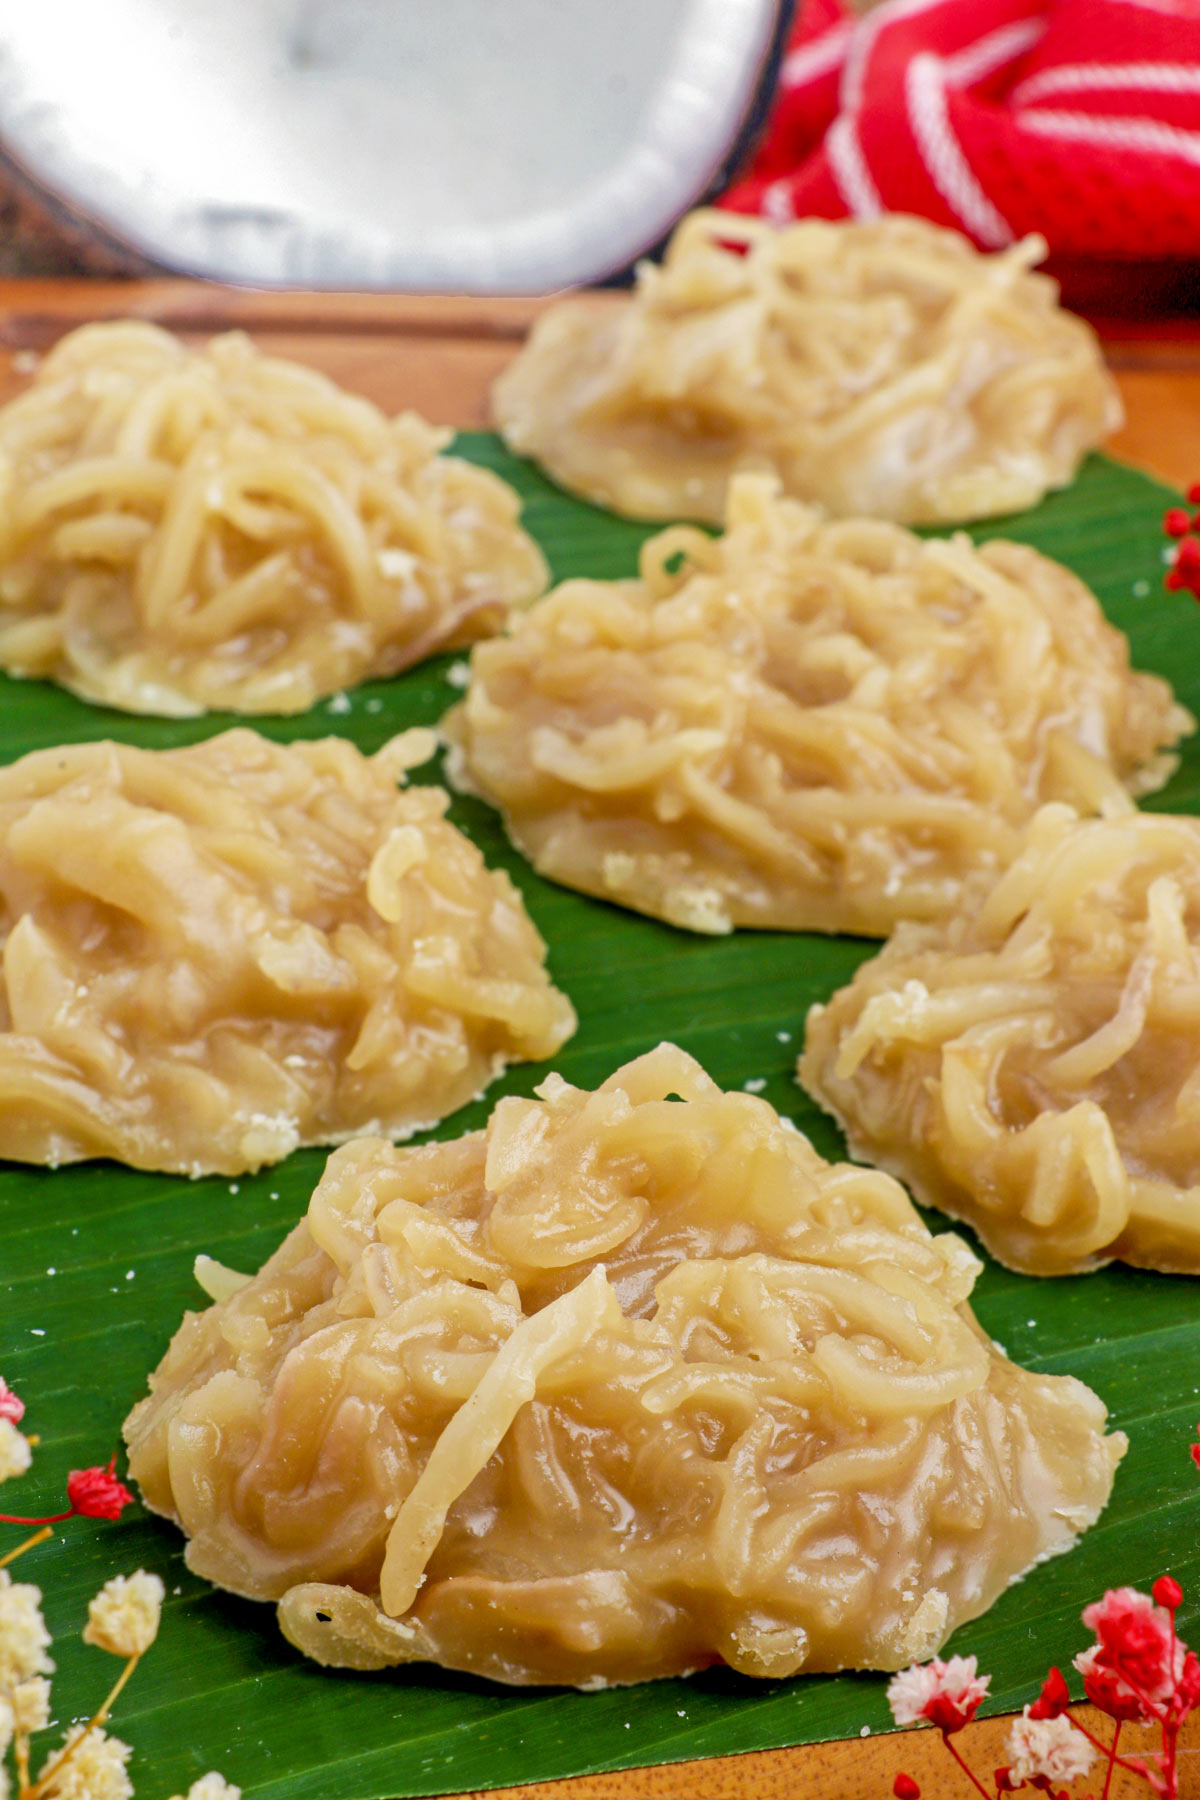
[816, 59]
[1148, 135]
[927, 113]
[1004, 45]
[942, 154]
[892, 12]
[1074, 78]
[847, 163]
[777, 204]
[849, 169]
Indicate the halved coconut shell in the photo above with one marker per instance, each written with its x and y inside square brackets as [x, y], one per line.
[460, 147]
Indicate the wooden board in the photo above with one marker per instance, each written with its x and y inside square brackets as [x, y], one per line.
[439, 356]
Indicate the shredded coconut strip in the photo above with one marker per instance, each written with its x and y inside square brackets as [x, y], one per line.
[478, 1426]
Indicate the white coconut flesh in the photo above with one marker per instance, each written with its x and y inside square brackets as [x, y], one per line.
[476, 146]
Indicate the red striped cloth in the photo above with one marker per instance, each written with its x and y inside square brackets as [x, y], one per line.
[1076, 118]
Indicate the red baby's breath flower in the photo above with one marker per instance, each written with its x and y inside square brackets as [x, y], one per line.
[947, 1694]
[1187, 1688]
[1105, 1688]
[97, 1494]
[1183, 569]
[1138, 1668]
[12, 1407]
[93, 1493]
[1054, 1698]
[1135, 1643]
[1167, 1592]
[1183, 576]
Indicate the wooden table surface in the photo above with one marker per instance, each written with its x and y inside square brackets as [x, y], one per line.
[439, 356]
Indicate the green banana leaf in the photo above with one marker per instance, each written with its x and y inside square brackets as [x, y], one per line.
[96, 1271]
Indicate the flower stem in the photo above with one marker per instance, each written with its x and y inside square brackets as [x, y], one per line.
[1170, 1728]
[967, 1770]
[39, 1537]
[44, 1780]
[1170, 1734]
[21, 1752]
[50, 1518]
[1112, 1754]
[1107, 1749]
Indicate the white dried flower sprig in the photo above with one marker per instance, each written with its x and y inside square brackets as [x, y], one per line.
[123, 1619]
[90, 1766]
[1055, 1748]
[30, 1704]
[16, 1452]
[24, 1639]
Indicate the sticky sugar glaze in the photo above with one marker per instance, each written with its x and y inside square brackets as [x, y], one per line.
[184, 530]
[629, 1383]
[802, 724]
[212, 955]
[879, 366]
[1033, 1065]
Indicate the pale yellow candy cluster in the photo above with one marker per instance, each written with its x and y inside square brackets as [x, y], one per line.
[875, 366]
[628, 1383]
[183, 530]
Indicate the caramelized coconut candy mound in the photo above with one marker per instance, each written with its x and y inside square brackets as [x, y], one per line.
[880, 366]
[1033, 1064]
[215, 954]
[191, 529]
[804, 725]
[624, 1385]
